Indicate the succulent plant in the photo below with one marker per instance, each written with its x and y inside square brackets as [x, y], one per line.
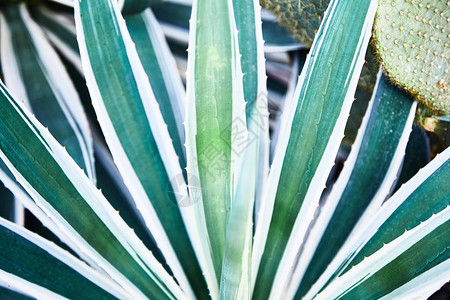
[189, 168]
[302, 18]
[410, 37]
[412, 40]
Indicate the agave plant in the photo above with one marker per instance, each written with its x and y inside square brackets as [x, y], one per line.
[189, 167]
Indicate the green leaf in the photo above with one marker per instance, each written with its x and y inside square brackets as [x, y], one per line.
[432, 283]
[112, 186]
[61, 32]
[24, 200]
[67, 196]
[247, 15]
[430, 251]
[162, 72]
[216, 131]
[408, 256]
[137, 135]
[236, 272]
[430, 197]
[34, 72]
[425, 195]
[315, 124]
[31, 258]
[155, 56]
[366, 179]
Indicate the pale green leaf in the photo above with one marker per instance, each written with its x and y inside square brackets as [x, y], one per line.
[236, 272]
[216, 130]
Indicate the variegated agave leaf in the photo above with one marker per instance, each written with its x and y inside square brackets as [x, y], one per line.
[186, 158]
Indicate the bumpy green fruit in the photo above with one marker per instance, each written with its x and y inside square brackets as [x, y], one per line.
[301, 17]
[412, 39]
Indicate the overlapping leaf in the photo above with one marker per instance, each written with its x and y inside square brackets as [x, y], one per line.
[66, 195]
[314, 124]
[137, 135]
[365, 180]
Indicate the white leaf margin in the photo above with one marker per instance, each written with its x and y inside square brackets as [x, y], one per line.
[338, 188]
[159, 131]
[100, 206]
[168, 67]
[22, 197]
[382, 257]
[313, 194]
[359, 236]
[24, 287]
[59, 81]
[92, 275]
[64, 21]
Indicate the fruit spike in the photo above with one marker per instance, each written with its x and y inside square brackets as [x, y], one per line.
[412, 40]
[302, 18]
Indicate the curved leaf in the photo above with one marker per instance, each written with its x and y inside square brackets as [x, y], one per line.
[216, 129]
[366, 179]
[137, 135]
[34, 72]
[159, 64]
[415, 202]
[408, 256]
[36, 260]
[315, 124]
[81, 212]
